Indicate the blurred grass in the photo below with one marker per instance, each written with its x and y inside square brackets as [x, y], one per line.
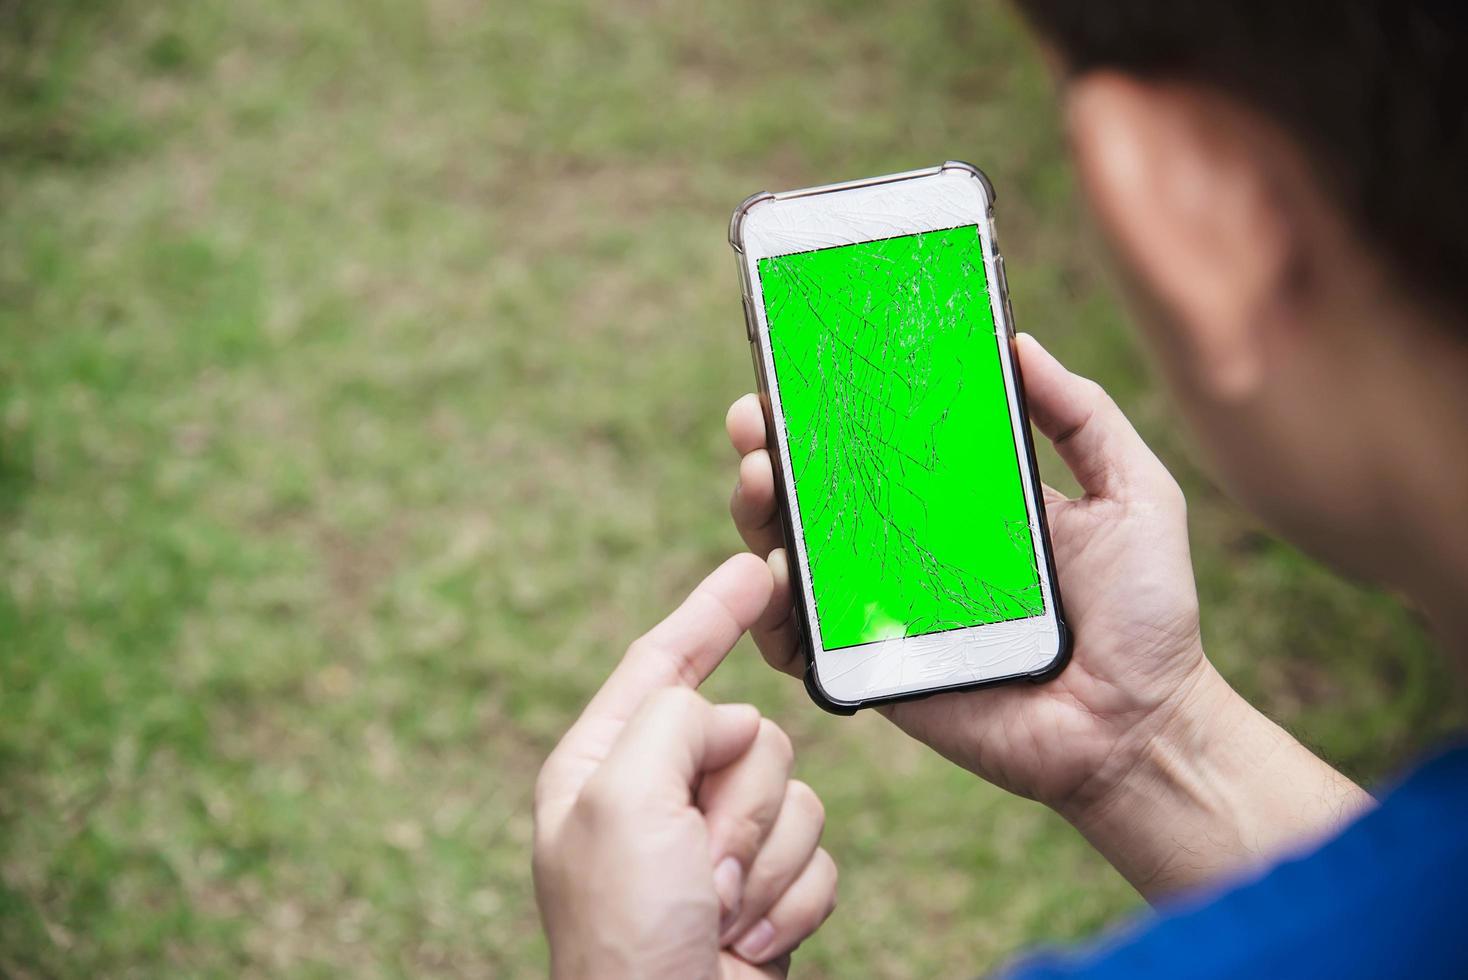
[364, 373]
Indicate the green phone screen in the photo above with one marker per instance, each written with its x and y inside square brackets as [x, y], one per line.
[902, 451]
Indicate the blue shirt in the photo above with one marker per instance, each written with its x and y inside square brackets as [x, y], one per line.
[1388, 897]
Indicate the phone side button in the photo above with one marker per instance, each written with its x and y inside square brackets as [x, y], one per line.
[761, 381]
[1003, 278]
[748, 318]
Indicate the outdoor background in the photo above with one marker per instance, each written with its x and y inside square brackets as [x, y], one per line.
[363, 368]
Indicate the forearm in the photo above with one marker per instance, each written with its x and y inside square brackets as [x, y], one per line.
[1218, 790]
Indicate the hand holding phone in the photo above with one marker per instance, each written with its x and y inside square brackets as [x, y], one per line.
[1121, 557]
[1121, 550]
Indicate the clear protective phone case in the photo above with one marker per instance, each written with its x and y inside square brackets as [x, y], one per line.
[737, 240]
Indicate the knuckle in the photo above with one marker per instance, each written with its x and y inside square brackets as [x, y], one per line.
[817, 904]
[638, 649]
[552, 773]
[545, 853]
[598, 803]
[539, 794]
[541, 861]
[806, 802]
[833, 878]
[773, 737]
[743, 834]
[1094, 391]
[539, 841]
[756, 469]
[674, 701]
[1095, 398]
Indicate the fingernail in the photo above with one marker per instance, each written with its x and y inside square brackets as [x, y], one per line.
[729, 886]
[752, 945]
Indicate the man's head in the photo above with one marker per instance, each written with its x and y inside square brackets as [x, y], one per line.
[1284, 185]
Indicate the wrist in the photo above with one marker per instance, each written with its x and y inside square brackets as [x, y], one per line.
[1208, 788]
[1165, 754]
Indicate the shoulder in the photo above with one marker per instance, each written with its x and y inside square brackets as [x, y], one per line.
[1384, 897]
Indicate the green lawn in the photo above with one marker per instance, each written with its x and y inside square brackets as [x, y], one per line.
[364, 367]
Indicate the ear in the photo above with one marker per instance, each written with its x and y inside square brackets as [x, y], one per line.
[1179, 183]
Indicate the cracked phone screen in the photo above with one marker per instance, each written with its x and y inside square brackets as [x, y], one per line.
[901, 444]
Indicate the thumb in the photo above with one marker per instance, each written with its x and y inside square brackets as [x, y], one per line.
[1094, 439]
[679, 652]
[686, 647]
[671, 740]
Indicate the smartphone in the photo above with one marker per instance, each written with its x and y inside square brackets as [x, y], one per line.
[879, 320]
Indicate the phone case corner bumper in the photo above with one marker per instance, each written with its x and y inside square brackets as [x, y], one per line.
[977, 174]
[1063, 648]
[736, 220]
[817, 694]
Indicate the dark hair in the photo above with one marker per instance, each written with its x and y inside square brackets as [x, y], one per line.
[1375, 91]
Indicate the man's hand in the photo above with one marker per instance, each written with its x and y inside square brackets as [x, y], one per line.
[1135, 717]
[1126, 579]
[667, 828]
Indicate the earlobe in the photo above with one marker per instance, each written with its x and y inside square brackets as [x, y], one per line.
[1175, 183]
